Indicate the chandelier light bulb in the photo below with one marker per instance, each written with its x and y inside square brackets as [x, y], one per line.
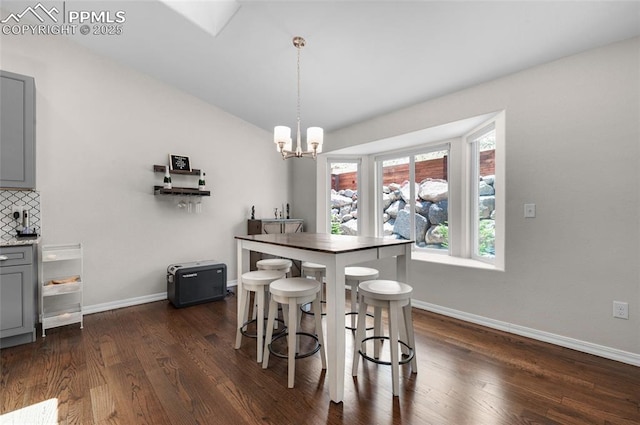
[282, 137]
[314, 139]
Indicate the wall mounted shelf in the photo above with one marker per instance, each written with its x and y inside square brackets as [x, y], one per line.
[160, 190]
[161, 168]
[183, 191]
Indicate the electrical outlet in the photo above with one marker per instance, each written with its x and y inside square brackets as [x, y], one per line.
[621, 310]
[16, 212]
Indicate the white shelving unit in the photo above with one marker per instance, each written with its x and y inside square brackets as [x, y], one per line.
[61, 285]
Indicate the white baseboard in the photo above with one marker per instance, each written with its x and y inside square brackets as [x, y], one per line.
[97, 308]
[113, 305]
[562, 341]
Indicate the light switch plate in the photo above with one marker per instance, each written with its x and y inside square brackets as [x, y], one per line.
[529, 210]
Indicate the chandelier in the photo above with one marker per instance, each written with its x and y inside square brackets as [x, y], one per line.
[282, 134]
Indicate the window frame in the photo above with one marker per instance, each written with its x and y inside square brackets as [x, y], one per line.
[345, 160]
[379, 175]
[474, 172]
[497, 123]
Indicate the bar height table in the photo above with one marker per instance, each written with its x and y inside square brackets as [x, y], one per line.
[335, 252]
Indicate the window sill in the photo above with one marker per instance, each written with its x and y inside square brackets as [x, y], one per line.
[452, 261]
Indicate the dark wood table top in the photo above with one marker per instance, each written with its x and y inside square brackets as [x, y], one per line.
[324, 242]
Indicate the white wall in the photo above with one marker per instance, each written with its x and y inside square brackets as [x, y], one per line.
[572, 148]
[100, 129]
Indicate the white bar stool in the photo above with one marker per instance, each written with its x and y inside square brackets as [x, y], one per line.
[317, 272]
[352, 277]
[258, 282]
[396, 297]
[313, 269]
[291, 293]
[275, 264]
[282, 264]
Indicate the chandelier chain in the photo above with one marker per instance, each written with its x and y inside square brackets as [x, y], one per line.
[298, 112]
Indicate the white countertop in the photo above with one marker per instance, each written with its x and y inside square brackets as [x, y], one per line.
[19, 242]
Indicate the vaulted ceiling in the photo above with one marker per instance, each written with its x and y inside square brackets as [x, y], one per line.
[362, 58]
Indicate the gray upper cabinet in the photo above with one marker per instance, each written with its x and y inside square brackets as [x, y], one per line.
[17, 131]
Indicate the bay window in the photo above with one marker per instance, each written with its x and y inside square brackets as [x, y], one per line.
[442, 187]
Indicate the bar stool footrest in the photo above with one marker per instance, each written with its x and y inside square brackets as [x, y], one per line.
[311, 352]
[405, 358]
[311, 313]
[255, 335]
[355, 312]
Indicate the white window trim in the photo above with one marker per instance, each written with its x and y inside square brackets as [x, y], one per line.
[472, 199]
[498, 123]
[500, 190]
[442, 258]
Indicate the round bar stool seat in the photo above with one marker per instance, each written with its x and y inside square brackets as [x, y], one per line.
[352, 277]
[317, 271]
[258, 282]
[275, 264]
[396, 298]
[293, 292]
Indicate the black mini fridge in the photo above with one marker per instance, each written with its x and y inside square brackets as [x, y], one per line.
[196, 282]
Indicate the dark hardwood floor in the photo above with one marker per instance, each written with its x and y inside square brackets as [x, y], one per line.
[154, 364]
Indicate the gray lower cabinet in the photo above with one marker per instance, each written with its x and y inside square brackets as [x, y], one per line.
[17, 295]
[17, 131]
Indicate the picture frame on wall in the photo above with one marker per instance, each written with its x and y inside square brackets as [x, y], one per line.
[179, 163]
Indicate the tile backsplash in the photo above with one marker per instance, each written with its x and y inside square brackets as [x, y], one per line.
[28, 199]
